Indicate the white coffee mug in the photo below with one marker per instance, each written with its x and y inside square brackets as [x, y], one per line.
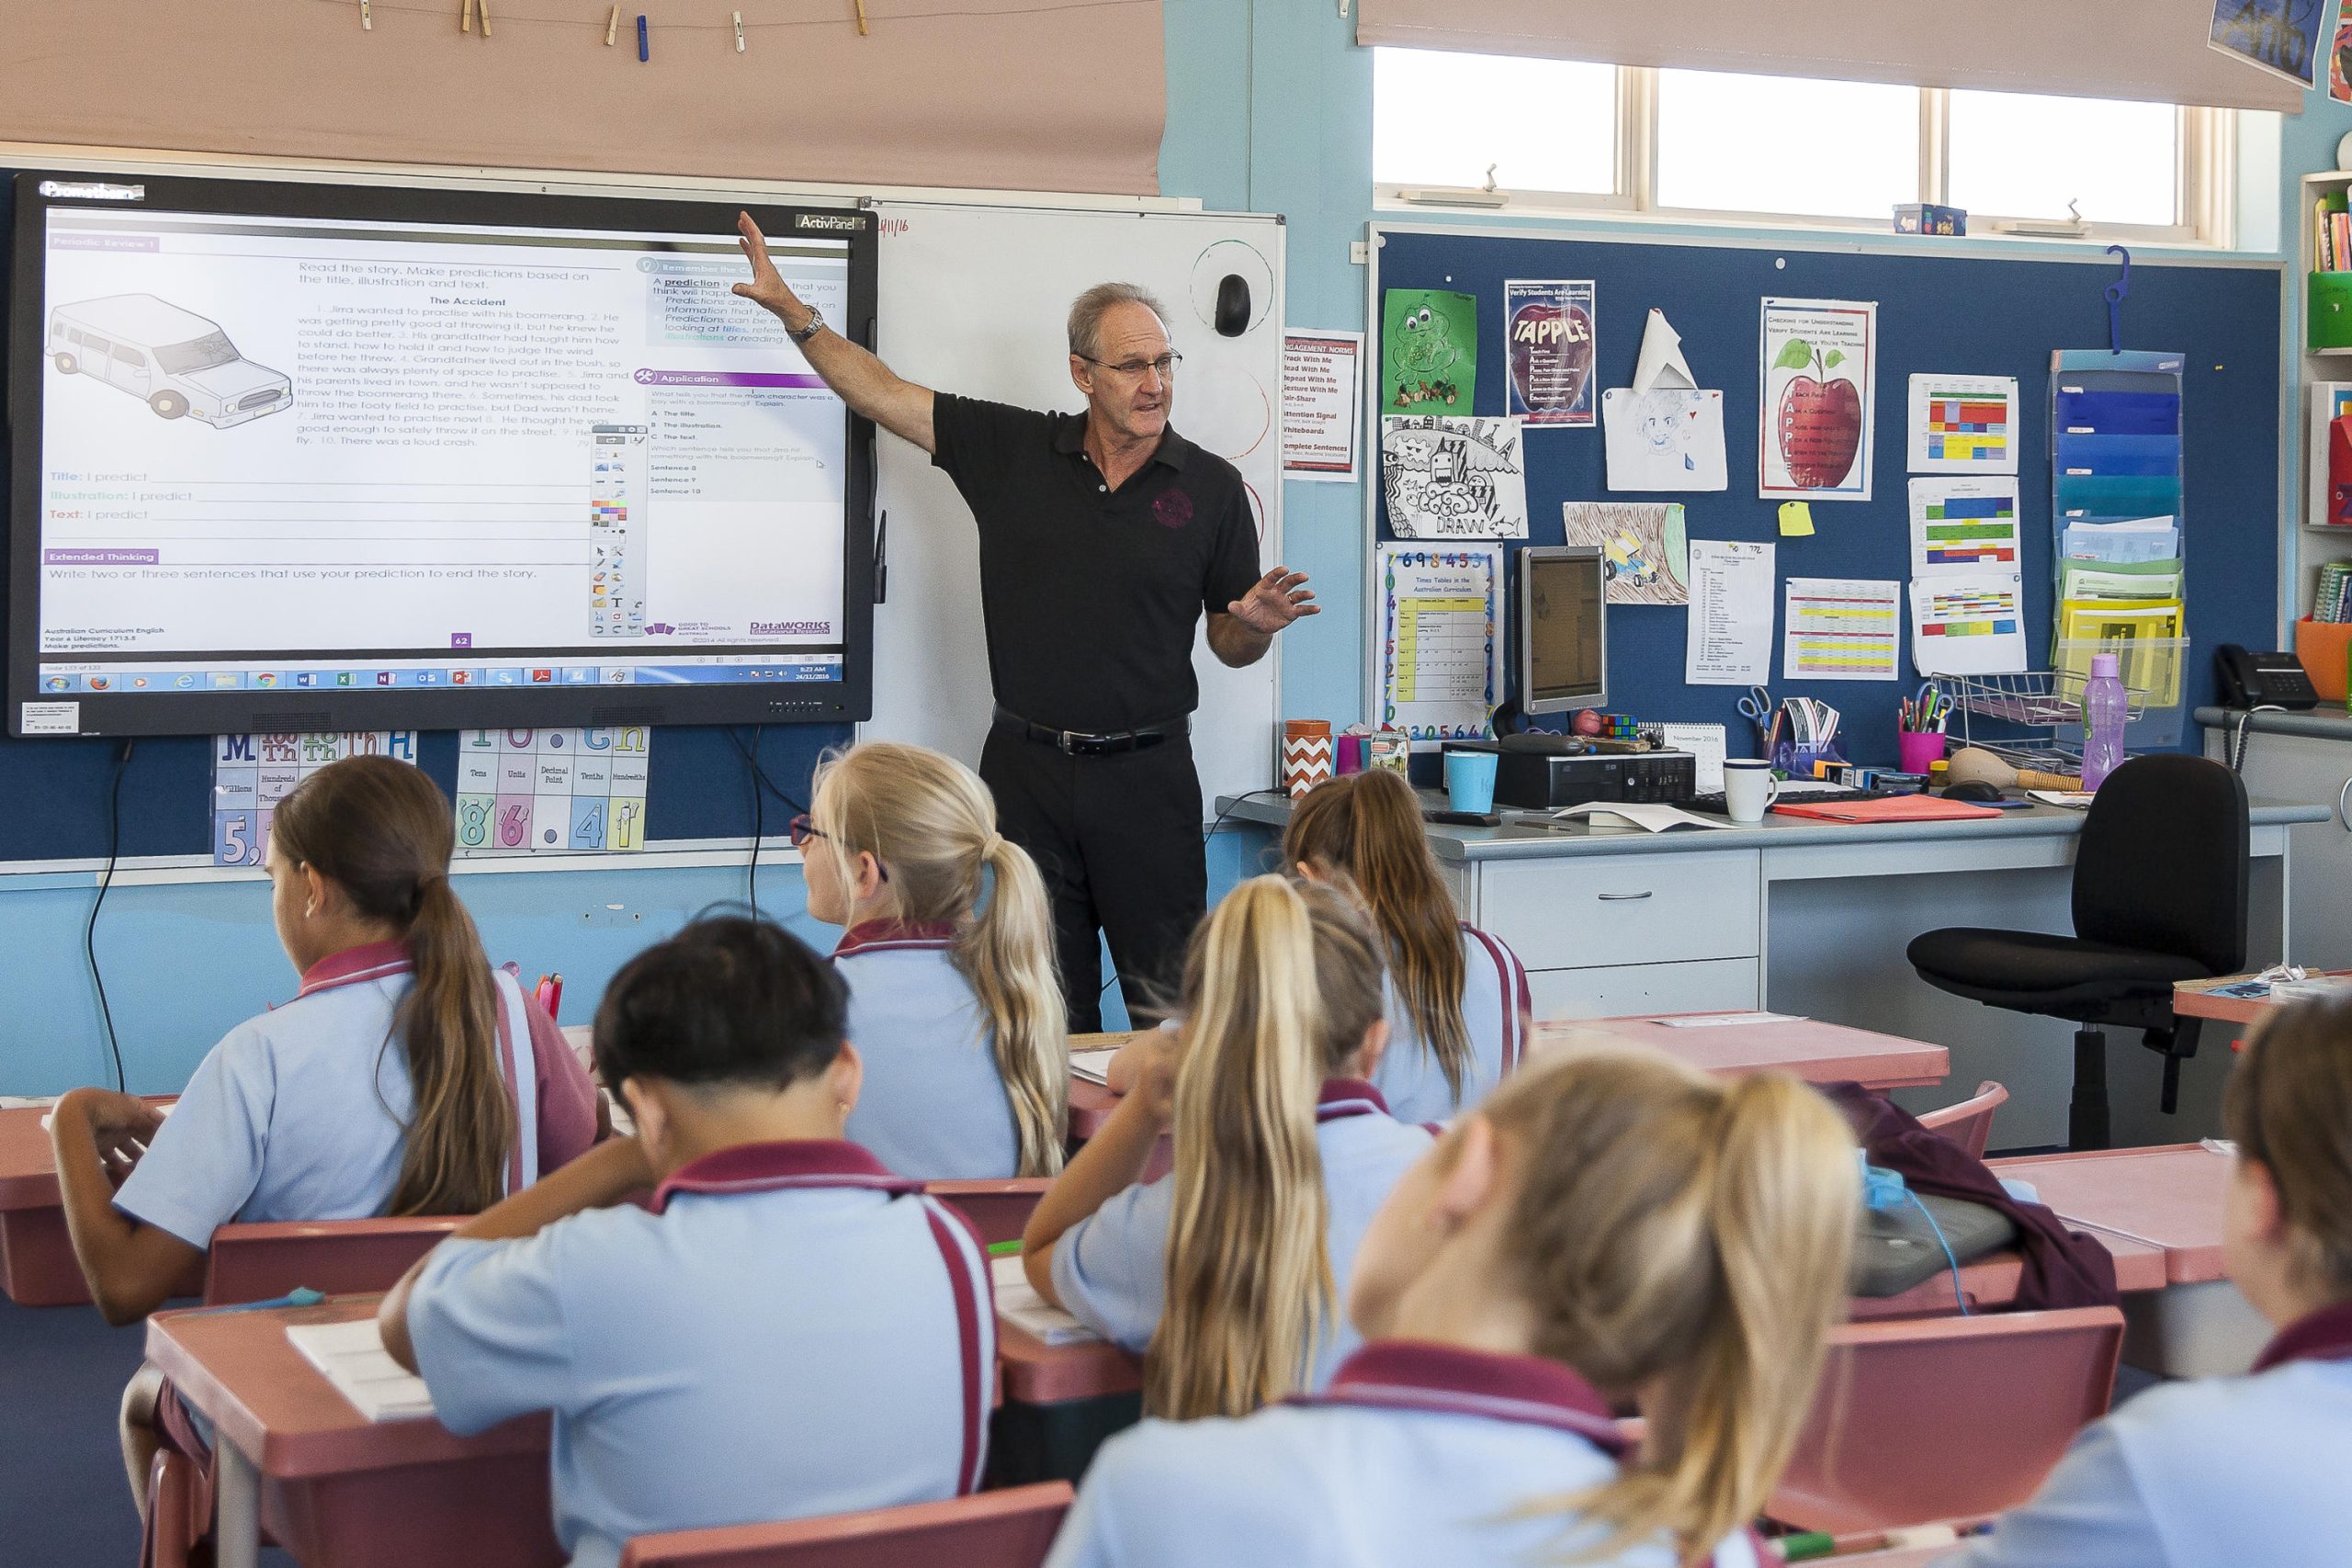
[1749, 788]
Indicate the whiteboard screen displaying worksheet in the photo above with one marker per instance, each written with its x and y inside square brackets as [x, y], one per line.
[310, 457]
[974, 300]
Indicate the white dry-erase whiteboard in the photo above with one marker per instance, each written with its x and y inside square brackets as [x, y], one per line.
[976, 300]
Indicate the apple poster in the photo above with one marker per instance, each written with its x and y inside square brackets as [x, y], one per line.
[1820, 371]
[1548, 345]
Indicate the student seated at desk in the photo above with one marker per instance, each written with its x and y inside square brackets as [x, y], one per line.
[1226, 1271]
[2221, 1472]
[406, 1077]
[787, 1330]
[955, 1000]
[1457, 998]
[1612, 1228]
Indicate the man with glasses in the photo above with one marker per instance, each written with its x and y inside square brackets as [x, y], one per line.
[1103, 538]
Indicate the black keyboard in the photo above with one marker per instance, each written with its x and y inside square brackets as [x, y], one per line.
[1716, 806]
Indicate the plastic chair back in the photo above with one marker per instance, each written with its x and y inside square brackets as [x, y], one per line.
[997, 1210]
[1011, 1528]
[1928, 1419]
[2162, 862]
[260, 1263]
[1970, 1122]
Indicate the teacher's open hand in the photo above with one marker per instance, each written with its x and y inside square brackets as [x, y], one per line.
[1274, 601]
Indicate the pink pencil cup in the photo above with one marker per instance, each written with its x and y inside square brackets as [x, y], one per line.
[1916, 748]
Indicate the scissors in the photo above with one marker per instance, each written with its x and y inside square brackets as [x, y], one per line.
[1757, 708]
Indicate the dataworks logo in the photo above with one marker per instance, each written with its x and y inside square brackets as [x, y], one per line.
[852, 221]
[791, 628]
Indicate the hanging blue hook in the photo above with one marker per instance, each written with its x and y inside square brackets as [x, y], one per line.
[2115, 293]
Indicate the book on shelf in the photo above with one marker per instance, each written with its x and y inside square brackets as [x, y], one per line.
[2332, 598]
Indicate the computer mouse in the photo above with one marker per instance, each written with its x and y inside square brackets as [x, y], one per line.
[1977, 790]
[1233, 304]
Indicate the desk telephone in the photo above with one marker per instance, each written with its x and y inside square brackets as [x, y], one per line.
[2256, 680]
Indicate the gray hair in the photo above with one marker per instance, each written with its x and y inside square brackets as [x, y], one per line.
[1086, 313]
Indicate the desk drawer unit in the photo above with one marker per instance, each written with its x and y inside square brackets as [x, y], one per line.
[1631, 990]
[1591, 912]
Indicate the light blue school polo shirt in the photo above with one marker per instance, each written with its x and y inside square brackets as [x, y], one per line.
[932, 1105]
[1495, 1010]
[789, 1331]
[1418, 1457]
[300, 1114]
[2252, 1471]
[1111, 1268]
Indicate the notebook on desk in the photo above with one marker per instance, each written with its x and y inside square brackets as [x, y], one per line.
[352, 1357]
[1017, 1300]
[1891, 808]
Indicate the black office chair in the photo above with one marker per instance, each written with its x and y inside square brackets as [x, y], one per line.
[2160, 876]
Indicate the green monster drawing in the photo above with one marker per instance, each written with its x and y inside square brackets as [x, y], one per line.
[1425, 352]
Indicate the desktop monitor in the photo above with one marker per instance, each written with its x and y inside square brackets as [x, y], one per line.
[1563, 629]
[304, 456]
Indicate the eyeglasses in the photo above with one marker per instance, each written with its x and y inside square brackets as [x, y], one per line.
[801, 830]
[1165, 366]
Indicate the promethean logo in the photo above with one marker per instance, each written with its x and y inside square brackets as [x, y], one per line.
[827, 221]
[70, 190]
[791, 628]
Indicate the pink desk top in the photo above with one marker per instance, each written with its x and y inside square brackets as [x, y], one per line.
[28, 1162]
[1034, 1372]
[241, 1371]
[2170, 1197]
[1815, 1052]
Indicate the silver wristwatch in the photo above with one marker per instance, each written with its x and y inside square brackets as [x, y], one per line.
[802, 334]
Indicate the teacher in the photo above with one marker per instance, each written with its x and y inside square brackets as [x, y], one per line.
[1103, 538]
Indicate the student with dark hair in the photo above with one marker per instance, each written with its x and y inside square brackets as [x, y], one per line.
[406, 1078]
[788, 1329]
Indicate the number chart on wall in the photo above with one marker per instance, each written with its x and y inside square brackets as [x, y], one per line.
[251, 773]
[552, 791]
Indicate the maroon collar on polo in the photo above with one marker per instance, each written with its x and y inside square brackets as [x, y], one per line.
[895, 936]
[2322, 1335]
[369, 961]
[1415, 1374]
[774, 1167]
[1342, 1097]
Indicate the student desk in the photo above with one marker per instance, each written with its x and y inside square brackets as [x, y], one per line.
[1060, 1403]
[1810, 918]
[332, 1486]
[37, 1266]
[1813, 1051]
[2171, 1198]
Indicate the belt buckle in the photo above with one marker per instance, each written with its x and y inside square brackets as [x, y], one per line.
[1068, 742]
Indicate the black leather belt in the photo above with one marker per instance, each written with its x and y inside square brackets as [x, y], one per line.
[1082, 743]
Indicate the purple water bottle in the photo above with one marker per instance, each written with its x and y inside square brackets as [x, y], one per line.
[2105, 708]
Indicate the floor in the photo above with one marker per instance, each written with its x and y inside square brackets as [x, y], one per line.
[62, 1501]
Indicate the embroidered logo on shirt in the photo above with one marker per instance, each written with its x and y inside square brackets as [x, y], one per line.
[1173, 509]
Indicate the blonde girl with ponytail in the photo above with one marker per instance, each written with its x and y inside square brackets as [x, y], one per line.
[956, 1001]
[1457, 998]
[1227, 1273]
[1606, 1231]
[406, 1078]
[2220, 1472]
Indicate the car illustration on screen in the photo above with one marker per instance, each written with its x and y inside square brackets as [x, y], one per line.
[179, 363]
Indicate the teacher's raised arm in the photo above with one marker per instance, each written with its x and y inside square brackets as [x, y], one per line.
[863, 382]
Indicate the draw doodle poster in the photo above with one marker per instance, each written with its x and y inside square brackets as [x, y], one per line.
[552, 791]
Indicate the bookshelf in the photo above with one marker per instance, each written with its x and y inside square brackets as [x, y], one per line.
[2317, 543]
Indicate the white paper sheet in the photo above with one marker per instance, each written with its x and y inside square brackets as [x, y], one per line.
[1666, 438]
[1968, 624]
[1018, 1301]
[1963, 424]
[1817, 371]
[1322, 404]
[1094, 1066]
[1965, 525]
[1447, 478]
[1729, 641]
[352, 1357]
[1661, 363]
[1725, 1019]
[1842, 628]
[1440, 636]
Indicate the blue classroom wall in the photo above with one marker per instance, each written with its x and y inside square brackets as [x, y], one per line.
[1935, 313]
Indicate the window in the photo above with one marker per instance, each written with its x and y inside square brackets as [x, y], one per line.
[130, 357]
[1568, 137]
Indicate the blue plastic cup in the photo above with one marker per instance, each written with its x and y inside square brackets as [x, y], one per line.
[1470, 780]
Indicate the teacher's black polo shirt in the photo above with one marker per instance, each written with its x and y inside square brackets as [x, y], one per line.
[1090, 595]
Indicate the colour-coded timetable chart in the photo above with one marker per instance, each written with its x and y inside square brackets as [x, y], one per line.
[1963, 424]
[1963, 524]
[1968, 624]
[1841, 629]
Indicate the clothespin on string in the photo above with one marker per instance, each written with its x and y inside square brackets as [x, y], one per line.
[2115, 293]
[861, 19]
[612, 26]
[367, 22]
[738, 32]
[466, 17]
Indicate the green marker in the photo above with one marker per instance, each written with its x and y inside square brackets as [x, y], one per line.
[1005, 1248]
[1807, 1544]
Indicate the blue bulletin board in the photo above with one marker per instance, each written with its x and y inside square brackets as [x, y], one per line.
[1938, 313]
